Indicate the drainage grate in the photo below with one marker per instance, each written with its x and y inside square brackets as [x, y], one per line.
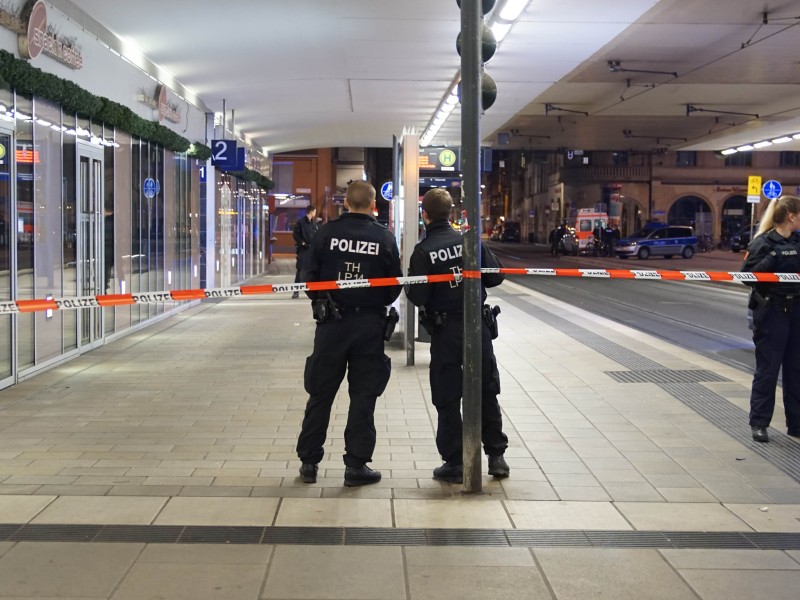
[384, 536]
[221, 535]
[55, 533]
[628, 539]
[708, 539]
[533, 538]
[665, 376]
[774, 541]
[378, 536]
[466, 537]
[333, 536]
[146, 534]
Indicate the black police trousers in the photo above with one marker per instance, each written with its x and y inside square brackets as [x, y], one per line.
[447, 344]
[352, 344]
[776, 333]
[300, 263]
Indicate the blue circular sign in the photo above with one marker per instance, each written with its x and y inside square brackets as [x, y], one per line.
[772, 189]
[158, 187]
[149, 187]
[387, 190]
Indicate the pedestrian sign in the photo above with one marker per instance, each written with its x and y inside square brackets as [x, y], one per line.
[772, 189]
[386, 190]
[754, 185]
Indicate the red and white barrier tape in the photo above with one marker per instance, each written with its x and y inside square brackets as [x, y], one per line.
[26, 306]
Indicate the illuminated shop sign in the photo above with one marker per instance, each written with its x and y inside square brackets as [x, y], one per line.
[37, 37]
[159, 101]
[27, 156]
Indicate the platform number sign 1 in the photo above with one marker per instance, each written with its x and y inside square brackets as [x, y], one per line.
[223, 153]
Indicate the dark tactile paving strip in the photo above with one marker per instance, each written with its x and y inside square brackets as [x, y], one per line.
[683, 384]
[370, 536]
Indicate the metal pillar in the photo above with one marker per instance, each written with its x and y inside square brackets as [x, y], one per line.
[471, 20]
[410, 230]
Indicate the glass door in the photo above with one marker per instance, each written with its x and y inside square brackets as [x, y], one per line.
[7, 243]
[90, 242]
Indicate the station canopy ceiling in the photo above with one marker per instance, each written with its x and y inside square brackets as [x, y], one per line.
[633, 75]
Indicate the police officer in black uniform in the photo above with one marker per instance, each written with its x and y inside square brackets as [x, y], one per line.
[350, 333]
[776, 316]
[442, 315]
[304, 231]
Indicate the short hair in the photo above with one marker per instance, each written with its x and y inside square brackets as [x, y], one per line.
[310, 208]
[438, 203]
[360, 195]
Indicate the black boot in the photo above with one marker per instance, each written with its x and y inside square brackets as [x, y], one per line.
[308, 472]
[498, 467]
[759, 433]
[362, 475]
[450, 472]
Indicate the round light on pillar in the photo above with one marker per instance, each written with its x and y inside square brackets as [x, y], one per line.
[488, 91]
[488, 43]
[486, 5]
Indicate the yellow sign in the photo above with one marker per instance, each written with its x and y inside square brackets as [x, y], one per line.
[754, 185]
[447, 158]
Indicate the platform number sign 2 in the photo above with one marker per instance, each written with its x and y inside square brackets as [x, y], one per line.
[223, 153]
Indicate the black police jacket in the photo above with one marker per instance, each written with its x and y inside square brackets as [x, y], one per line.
[441, 253]
[773, 253]
[303, 232]
[354, 246]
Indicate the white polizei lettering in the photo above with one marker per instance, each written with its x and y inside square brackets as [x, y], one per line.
[80, 302]
[223, 293]
[457, 276]
[153, 297]
[540, 271]
[355, 246]
[646, 274]
[594, 273]
[443, 254]
[788, 276]
[8, 308]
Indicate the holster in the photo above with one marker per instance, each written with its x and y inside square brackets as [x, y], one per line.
[431, 321]
[324, 310]
[389, 323]
[756, 299]
[490, 317]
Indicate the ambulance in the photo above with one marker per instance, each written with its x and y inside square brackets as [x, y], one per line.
[584, 223]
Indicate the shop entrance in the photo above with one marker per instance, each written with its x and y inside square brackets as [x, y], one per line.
[90, 242]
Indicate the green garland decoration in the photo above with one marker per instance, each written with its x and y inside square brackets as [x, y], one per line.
[19, 75]
[252, 175]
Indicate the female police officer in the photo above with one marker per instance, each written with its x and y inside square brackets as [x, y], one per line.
[776, 316]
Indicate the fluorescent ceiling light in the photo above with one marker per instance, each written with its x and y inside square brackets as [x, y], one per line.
[763, 144]
[500, 30]
[782, 140]
[729, 151]
[796, 136]
[513, 9]
[745, 148]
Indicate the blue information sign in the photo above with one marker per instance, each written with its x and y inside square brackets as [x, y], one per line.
[223, 154]
[772, 189]
[387, 191]
[149, 187]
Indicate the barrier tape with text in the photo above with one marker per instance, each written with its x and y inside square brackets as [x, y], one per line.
[26, 306]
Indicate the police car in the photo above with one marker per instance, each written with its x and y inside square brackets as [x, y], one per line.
[658, 240]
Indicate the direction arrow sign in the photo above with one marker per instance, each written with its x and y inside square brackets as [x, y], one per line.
[772, 189]
[754, 185]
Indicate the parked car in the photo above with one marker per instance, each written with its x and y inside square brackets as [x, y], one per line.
[741, 239]
[511, 232]
[659, 240]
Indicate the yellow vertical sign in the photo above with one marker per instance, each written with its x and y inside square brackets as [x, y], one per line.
[754, 185]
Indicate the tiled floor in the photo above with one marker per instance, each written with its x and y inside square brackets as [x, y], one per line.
[192, 422]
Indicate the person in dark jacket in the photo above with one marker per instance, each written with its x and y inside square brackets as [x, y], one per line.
[304, 231]
[442, 303]
[776, 316]
[350, 334]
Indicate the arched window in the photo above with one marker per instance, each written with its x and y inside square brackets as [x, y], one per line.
[693, 211]
[735, 215]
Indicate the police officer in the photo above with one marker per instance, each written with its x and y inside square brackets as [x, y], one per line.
[776, 316]
[304, 231]
[349, 334]
[442, 303]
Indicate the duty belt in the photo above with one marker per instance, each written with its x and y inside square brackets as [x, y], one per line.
[784, 303]
[362, 310]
